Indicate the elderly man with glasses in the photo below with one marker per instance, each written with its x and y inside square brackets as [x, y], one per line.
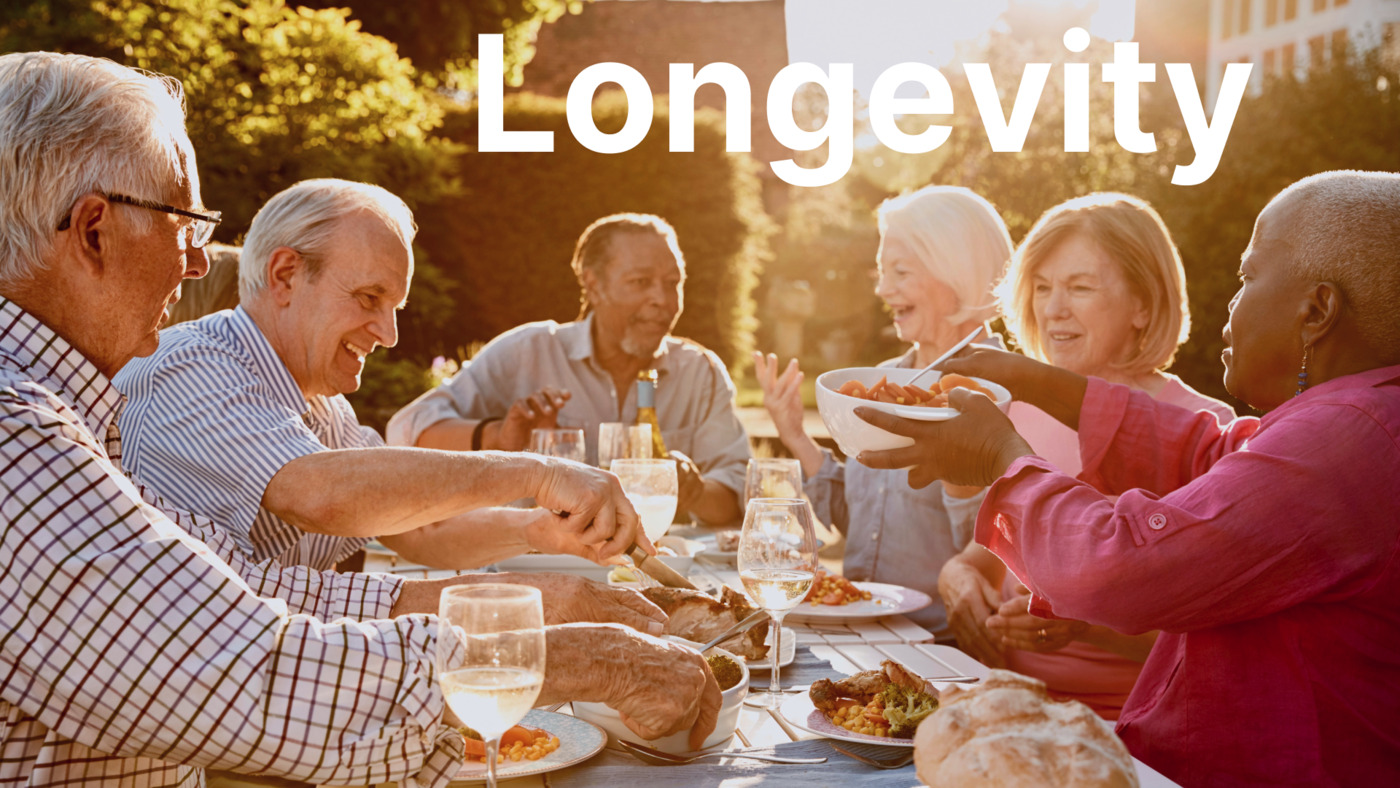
[141, 645]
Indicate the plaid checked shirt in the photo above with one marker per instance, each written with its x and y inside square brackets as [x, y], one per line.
[137, 644]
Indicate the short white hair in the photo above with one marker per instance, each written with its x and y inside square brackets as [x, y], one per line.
[1346, 229]
[306, 217]
[958, 237]
[71, 125]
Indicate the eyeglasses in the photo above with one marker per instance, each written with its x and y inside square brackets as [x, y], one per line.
[201, 229]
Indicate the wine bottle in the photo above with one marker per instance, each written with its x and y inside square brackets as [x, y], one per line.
[646, 410]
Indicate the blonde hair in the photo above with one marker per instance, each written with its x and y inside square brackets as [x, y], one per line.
[958, 237]
[1132, 235]
[71, 125]
[217, 290]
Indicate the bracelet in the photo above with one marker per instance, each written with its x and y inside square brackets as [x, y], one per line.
[481, 427]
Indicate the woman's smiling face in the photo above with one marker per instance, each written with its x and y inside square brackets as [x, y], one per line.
[921, 302]
[1086, 314]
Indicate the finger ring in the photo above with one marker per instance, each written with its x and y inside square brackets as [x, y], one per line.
[1042, 636]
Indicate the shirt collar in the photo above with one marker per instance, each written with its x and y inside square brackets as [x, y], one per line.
[577, 339]
[271, 369]
[40, 350]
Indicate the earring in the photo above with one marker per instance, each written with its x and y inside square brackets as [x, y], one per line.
[1303, 373]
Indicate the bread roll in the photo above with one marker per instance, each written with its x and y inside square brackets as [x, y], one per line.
[1005, 732]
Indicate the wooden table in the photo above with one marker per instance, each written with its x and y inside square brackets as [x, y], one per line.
[850, 648]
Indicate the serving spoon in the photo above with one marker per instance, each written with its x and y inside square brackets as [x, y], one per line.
[962, 343]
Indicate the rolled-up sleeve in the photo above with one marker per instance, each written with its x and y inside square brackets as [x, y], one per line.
[1206, 531]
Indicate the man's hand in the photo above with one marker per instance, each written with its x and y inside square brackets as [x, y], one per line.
[657, 687]
[690, 485]
[570, 599]
[1017, 628]
[973, 448]
[537, 411]
[970, 600]
[594, 512]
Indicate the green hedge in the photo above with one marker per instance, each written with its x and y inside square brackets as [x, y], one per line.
[503, 245]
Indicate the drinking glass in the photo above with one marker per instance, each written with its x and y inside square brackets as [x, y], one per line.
[773, 478]
[777, 562]
[651, 486]
[564, 443]
[617, 440]
[490, 658]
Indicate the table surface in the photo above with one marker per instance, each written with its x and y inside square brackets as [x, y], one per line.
[850, 648]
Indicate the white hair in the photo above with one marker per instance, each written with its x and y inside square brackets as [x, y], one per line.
[306, 217]
[72, 125]
[1346, 229]
[959, 237]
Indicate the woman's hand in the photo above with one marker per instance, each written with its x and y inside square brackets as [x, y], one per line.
[973, 448]
[1056, 391]
[782, 394]
[782, 398]
[1017, 628]
[970, 600]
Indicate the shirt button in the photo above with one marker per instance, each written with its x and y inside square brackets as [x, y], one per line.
[1157, 522]
[875, 537]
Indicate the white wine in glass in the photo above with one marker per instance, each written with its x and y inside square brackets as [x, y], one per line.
[652, 487]
[490, 658]
[777, 562]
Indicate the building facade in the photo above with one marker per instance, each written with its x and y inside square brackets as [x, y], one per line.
[1282, 36]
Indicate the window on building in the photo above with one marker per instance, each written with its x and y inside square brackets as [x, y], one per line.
[1290, 10]
[1319, 6]
[1270, 62]
[1227, 21]
[1270, 13]
[1287, 59]
[1317, 51]
[1246, 11]
[1341, 42]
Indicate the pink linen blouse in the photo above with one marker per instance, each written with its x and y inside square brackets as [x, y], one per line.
[1082, 671]
[1266, 549]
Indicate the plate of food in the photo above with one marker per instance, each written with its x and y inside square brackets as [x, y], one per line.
[548, 741]
[882, 706]
[835, 599]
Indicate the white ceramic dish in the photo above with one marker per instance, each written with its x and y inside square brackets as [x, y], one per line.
[885, 599]
[798, 710]
[854, 434]
[579, 740]
[733, 700]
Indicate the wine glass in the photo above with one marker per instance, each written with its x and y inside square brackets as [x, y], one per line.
[490, 658]
[617, 440]
[773, 477]
[777, 562]
[651, 485]
[565, 443]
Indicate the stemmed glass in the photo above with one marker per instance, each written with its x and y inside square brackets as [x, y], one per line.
[652, 487]
[777, 562]
[565, 443]
[490, 658]
[617, 441]
[773, 477]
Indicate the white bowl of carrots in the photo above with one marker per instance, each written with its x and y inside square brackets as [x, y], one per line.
[841, 391]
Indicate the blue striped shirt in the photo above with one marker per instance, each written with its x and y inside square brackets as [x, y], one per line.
[214, 414]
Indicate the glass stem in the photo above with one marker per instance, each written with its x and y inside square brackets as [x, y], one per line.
[777, 652]
[493, 746]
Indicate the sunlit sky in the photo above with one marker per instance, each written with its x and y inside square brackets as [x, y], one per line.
[876, 34]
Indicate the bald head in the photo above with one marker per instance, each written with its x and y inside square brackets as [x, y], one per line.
[1344, 227]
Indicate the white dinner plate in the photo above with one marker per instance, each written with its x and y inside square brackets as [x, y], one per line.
[799, 711]
[885, 600]
[579, 740]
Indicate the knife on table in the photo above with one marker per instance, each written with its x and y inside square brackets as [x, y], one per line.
[658, 570]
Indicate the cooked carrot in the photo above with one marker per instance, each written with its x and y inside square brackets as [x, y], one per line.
[854, 388]
[476, 748]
